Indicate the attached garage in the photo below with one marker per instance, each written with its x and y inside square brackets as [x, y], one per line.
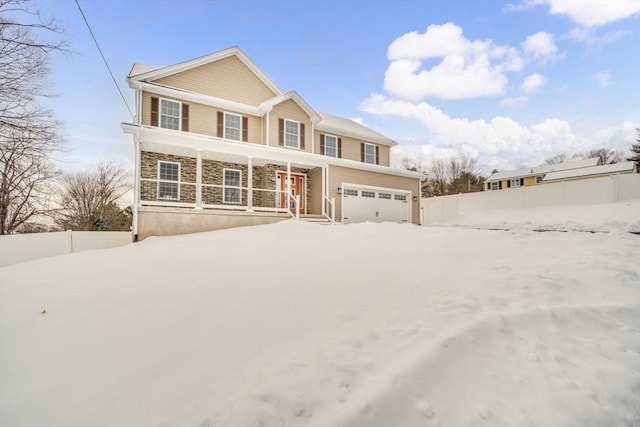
[375, 204]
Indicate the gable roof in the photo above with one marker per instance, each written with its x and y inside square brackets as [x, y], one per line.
[295, 97]
[347, 127]
[141, 72]
[623, 167]
[543, 169]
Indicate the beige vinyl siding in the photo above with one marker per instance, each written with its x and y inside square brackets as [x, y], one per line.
[339, 175]
[203, 119]
[315, 192]
[351, 148]
[292, 111]
[227, 78]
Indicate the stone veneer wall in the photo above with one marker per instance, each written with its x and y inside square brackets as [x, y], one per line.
[213, 174]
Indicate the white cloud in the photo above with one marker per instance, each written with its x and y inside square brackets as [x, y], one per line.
[467, 69]
[533, 82]
[500, 143]
[586, 13]
[587, 36]
[603, 78]
[594, 13]
[541, 46]
[515, 102]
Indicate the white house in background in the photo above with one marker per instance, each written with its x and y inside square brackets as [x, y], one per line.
[532, 176]
[590, 172]
[218, 144]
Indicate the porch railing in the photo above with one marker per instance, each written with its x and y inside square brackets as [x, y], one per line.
[330, 208]
[154, 192]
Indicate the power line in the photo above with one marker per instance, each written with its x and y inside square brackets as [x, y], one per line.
[104, 59]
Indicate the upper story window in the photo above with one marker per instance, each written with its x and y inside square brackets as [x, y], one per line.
[169, 114]
[232, 126]
[291, 134]
[330, 146]
[515, 183]
[168, 180]
[369, 154]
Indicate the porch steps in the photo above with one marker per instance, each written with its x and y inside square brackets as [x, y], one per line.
[316, 219]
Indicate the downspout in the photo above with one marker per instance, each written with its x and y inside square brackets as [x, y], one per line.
[136, 187]
[267, 130]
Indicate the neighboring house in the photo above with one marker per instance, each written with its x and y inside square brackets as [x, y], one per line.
[532, 176]
[590, 172]
[218, 145]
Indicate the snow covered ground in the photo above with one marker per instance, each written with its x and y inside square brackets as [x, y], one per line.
[297, 324]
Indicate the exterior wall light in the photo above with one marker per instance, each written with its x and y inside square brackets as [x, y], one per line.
[339, 190]
[415, 198]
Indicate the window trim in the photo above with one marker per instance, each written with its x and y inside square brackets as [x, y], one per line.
[284, 131]
[169, 181]
[224, 126]
[373, 155]
[231, 187]
[335, 138]
[160, 99]
[494, 184]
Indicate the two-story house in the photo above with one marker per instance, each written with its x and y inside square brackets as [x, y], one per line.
[218, 145]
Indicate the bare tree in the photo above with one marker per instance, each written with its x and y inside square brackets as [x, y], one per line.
[605, 155]
[635, 149]
[89, 200]
[451, 177]
[557, 159]
[29, 133]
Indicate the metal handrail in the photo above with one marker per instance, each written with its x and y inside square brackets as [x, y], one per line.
[332, 211]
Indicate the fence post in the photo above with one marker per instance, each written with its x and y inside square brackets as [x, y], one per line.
[70, 242]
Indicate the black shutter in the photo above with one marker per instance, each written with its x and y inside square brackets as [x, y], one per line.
[245, 129]
[362, 151]
[322, 144]
[302, 136]
[280, 131]
[154, 111]
[339, 148]
[185, 117]
[377, 155]
[220, 124]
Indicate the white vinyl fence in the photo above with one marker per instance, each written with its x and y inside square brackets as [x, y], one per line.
[17, 248]
[606, 189]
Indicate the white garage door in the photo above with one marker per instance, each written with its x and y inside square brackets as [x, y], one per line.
[360, 204]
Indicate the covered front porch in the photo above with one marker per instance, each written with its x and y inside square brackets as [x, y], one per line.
[250, 180]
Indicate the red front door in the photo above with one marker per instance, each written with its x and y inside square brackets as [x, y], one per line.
[298, 182]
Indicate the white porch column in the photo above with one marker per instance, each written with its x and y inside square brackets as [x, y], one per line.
[324, 190]
[198, 179]
[136, 185]
[249, 184]
[288, 185]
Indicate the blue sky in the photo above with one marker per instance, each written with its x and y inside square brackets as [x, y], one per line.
[508, 83]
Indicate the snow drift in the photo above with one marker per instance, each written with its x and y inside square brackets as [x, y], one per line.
[305, 325]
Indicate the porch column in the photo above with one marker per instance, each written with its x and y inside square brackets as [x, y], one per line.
[324, 190]
[288, 185]
[198, 179]
[249, 184]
